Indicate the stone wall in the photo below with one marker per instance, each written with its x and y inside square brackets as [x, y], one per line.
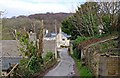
[109, 66]
[101, 64]
[49, 46]
[91, 59]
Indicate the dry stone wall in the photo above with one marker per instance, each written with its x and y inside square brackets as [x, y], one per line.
[101, 64]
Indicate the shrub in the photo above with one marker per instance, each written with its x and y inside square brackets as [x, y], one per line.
[80, 39]
[76, 54]
[48, 56]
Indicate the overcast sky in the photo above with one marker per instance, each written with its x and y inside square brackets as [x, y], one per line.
[27, 7]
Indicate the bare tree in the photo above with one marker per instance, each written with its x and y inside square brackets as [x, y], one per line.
[108, 14]
[40, 51]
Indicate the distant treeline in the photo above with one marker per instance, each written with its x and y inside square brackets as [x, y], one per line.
[32, 22]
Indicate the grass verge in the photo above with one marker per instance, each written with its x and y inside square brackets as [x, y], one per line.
[83, 70]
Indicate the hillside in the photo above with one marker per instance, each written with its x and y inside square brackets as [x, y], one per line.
[49, 19]
[31, 21]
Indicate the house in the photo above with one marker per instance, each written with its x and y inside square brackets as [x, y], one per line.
[48, 42]
[62, 39]
[50, 36]
[10, 54]
[48, 46]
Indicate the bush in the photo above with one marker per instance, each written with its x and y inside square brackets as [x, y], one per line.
[76, 54]
[48, 56]
[35, 65]
[27, 68]
[80, 39]
[21, 72]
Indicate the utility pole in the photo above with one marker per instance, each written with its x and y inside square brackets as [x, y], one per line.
[1, 13]
[40, 50]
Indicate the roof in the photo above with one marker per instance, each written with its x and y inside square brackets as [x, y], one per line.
[9, 48]
[68, 36]
[10, 53]
[51, 35]
[6, 61]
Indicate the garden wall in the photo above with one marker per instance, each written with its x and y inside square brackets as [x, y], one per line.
[101, 64]
[48, 46]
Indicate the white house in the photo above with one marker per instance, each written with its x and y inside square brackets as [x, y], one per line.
[62, 39]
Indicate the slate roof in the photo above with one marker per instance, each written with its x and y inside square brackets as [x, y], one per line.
[6, 61]
[9, 48]
[10, 53]
[51, 35]
[67, 36]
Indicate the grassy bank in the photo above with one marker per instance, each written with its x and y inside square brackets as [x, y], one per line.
[83, 70]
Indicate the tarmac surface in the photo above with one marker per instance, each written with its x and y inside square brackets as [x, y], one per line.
[65, 66]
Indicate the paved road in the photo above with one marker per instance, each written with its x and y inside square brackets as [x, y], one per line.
[65, 66]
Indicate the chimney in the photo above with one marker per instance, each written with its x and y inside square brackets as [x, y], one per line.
[60, 30]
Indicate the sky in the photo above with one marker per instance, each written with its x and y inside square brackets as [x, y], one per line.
[27, 7]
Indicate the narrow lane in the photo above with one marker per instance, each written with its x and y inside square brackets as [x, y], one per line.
[65, 66]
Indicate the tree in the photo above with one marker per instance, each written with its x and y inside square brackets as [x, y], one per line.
[69, 28]
[32, 59]
[87, 19]
[84, 21]
[118, 31]
[108, 14]
[19, 24]
[40, 51]
[91, 15]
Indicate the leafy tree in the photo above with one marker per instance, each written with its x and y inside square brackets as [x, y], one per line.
[68, 27]
[84, 20]
[118, 31]
[31, 62]
[90, 16]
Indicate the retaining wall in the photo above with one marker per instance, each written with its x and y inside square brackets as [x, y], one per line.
[101, 64]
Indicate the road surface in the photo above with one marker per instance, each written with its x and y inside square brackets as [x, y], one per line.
[65, 66]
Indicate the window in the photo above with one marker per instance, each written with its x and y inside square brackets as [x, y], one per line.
[63, 39]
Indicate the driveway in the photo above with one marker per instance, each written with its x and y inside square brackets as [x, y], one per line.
[65, 66]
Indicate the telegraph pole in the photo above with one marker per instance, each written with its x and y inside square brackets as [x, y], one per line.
[1, 13]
